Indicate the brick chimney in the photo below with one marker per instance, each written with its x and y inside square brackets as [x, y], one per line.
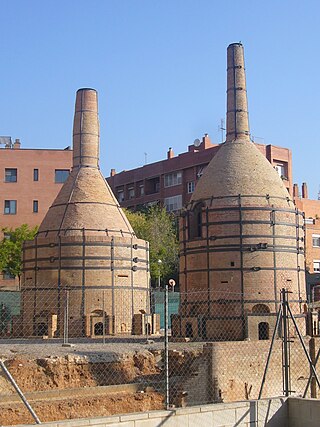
[112, 172]
[295, 191]
[170, 153]
[17, 144]
[304, 190]
[206, 142]
[237, 105]
[86, 129]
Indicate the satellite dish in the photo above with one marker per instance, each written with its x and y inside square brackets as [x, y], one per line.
[196, 142]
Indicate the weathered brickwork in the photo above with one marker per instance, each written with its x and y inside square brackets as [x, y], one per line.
[241, 237]
[85, 251]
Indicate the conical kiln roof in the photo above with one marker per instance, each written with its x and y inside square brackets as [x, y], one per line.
[239, 168]
[85, 202]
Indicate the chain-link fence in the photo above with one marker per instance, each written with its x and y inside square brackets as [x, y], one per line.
[61, 360]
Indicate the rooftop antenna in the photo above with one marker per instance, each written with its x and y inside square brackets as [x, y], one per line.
[222, 129]
[255, 138]
[145, 158]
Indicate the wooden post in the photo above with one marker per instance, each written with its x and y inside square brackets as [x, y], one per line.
[313, 385]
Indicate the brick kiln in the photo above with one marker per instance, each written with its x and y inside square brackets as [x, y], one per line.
[241, 238]
[86, 251]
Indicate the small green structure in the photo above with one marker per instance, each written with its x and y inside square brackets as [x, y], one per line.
[157, 303]
[10, 303]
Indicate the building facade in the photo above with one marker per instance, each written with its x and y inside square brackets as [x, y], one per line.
[30, 181]
[311, 209]
[171, 182]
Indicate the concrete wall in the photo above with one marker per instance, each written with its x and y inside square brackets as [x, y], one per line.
[303, 412]
[268, 412]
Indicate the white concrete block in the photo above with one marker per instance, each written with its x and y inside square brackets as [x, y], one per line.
[201, 419]
[224, 417]
[133, 417]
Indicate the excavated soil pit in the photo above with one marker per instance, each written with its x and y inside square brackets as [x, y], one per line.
[92, 380]
[77, 386]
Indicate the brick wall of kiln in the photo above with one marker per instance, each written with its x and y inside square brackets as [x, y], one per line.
[94, 269]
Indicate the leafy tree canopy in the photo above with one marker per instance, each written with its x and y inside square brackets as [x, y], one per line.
[11, 248]
[159, 228]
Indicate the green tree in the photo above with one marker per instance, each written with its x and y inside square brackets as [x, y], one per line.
[159, 228]
[11, 248]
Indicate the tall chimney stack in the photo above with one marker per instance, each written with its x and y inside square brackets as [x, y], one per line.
[304, 190]
[86, 129]
[237, 105]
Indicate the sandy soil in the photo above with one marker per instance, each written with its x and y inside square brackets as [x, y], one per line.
[118, 403]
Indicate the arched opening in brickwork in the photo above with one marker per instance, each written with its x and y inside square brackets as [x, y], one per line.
[193, 310]
[189, 330]
[195, 222]
[98, 328]
[42, 329]
[148, 328]
[263, 330]
[260, 309]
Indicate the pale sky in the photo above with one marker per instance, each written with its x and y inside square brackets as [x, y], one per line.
[159, 67]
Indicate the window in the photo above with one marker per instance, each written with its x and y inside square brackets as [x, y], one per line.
[141, 188]
[200, 170]
[10, 175]
[173, 203]
[7, 275]
[172, 179]
[36, 174]
[190, 187]
[131, 193]
[316, 240]
[195, 222]
[35, 206]
[10, 207]
[61, 175]
[121, 196]
[316, 265]
[281, 169]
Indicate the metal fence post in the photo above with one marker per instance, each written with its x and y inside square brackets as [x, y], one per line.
[312, 351]
[103, 319]
[66, 321]
[17, 388]
[166, 344]
[286, 367]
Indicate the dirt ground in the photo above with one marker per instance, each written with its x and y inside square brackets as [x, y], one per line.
[80, 384]
[118, 403]
[76, 373]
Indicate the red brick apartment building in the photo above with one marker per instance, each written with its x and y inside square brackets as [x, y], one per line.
[311, 208]
[30, 180]
[172, 181]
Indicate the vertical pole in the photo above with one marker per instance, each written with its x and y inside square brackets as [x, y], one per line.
[312, 351]
[66, 320]
[275, 331]
[21, 395]
[166, 345]
[285, 342]
[103, 319]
